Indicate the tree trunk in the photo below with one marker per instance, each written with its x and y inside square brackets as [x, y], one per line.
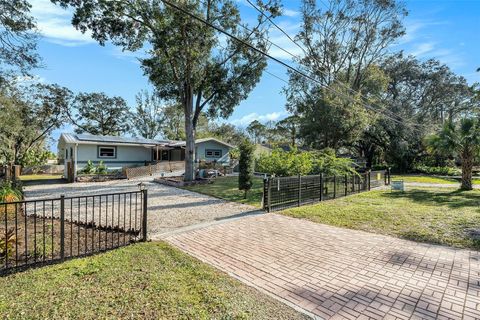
[189, 135]
[467, 165]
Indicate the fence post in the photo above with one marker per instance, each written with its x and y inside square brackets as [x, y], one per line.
[265, 194]
[388, 174]
[62, 227]
[299, 190]
[144, 215]
[353, 183]
[369, 177]
[346, 184]
[269, 194]
[334, 186]
[321, 186]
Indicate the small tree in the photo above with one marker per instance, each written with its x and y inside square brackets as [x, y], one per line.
[463, 140]
[245, 178]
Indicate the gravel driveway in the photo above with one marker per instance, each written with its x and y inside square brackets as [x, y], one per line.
[169, 208]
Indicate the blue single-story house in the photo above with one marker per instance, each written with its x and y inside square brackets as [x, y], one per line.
[119, 152]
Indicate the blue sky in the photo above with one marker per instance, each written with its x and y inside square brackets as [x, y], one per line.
[446, 30]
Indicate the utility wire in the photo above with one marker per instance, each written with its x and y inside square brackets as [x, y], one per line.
[306, 53]
[286, 65]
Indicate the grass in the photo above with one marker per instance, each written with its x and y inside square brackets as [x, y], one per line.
[142, 281]
[37, 177]
[444, 216]
[430, 179]
[227, 188]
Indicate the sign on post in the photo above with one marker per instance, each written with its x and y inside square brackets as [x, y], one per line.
[397, 185]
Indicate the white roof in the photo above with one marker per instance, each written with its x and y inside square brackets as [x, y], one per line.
[197, 141]
[97, 139]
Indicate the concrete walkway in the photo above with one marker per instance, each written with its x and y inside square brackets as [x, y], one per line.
[330, 272]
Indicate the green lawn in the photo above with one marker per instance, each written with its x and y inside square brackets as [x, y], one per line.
[430, 179]
[142, 281]
[37, 177]
[443, 216]
[227, 188]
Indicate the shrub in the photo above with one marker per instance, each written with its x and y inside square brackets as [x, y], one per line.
[328, 163]
[285, 163]
[293, 162]
[9, 192]
[102, 168]
[7, 243]
[245, 178]
[89, 168]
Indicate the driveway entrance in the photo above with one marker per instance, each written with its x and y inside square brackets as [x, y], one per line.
[331, 272]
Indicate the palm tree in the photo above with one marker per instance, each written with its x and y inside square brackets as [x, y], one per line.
[463, 140]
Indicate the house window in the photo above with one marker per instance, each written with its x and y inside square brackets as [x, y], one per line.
[107, 152]
[213, 153]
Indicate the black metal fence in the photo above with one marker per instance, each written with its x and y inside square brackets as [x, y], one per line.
[286, 192]
[37, 232]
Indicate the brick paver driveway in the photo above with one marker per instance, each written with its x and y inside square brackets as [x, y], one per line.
[331, 272]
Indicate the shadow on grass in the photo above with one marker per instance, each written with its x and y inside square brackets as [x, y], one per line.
[453, 199]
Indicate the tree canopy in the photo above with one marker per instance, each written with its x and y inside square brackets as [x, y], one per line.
[148, 118]
[28, 115]
[184, 60]
[96, 113]
[18, 37]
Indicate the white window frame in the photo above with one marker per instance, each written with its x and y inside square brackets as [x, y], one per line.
[213, 153]
[107, 157]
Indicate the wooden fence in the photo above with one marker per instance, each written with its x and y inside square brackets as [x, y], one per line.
[151, 169]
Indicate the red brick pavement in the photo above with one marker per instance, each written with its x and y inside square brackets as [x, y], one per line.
[339, 273]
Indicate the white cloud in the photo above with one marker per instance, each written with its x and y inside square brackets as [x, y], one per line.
[413, 28]
[245, 120]
[421, 49]
[290, 13]
[284, 48]
[54, 23]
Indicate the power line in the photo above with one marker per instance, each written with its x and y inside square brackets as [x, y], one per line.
[289, 67]
[306, 53]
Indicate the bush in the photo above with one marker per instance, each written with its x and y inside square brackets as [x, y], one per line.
[442, 171]
[285, 163]
[89, 168]
[9, 192]
[328, 163]
[7, 243]
[102, 168]
[290, 163]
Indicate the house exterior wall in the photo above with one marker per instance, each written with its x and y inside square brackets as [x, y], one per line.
[201, 148]
[126, 156]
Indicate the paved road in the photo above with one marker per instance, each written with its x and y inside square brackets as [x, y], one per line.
[332, 272]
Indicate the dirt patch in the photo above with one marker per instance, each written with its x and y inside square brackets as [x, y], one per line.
[178, 181]
[32, 239]
[100, 177]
